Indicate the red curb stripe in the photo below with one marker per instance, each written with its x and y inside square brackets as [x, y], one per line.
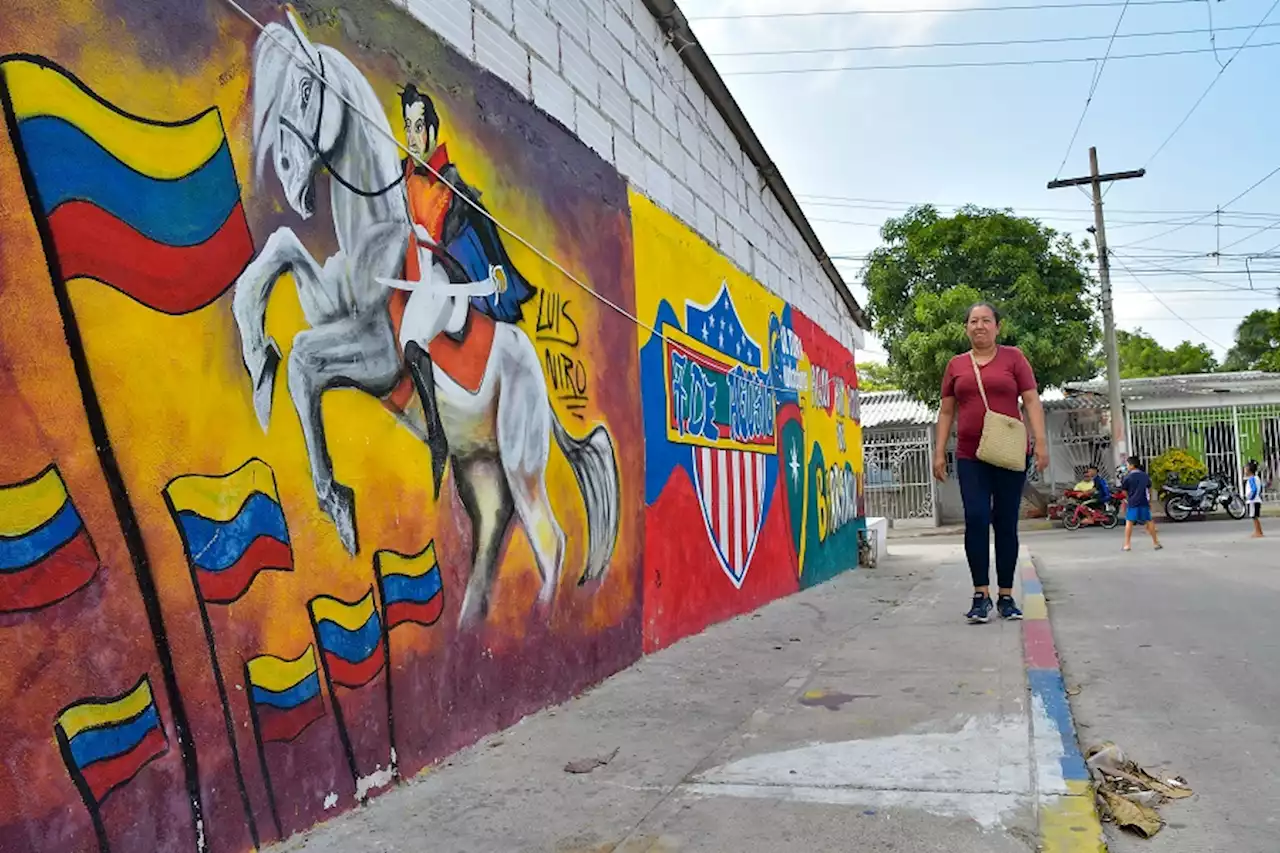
[1037, 644]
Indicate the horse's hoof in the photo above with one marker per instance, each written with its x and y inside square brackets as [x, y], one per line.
[340, 504]
[264, 383]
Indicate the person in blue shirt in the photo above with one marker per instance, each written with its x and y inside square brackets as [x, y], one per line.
[1253, 497]
[1101, 491]
[1137, 487]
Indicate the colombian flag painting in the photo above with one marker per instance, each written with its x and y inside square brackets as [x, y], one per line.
[105, 742]
[232, 527]
[45, 551]
[149, 208]
[350, 638]
[285, 695]
[410, 586]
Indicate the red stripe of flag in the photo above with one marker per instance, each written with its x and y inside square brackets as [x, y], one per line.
[104, 776]
[354, 674]
[423, 613]
[57, 576]
[174, 279]
[263, 554]
[280, 725]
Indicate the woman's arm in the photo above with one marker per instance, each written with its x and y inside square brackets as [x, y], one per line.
[1035, 414]
[946, 416]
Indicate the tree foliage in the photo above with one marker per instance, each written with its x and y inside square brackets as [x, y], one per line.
[932, 268]
[1141, 355]
[876, 377]
[1257, 343]
[1185, 468]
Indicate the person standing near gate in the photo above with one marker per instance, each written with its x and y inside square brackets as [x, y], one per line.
[1253, 497]
[980, 394]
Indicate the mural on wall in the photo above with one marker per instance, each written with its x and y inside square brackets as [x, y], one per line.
[316, 472]
[750, 426]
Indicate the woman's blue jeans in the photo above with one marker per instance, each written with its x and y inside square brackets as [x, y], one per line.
[992, 497]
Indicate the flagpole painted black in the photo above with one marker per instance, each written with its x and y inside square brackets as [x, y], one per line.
[338, 718]
[262, 754]
[111, 472]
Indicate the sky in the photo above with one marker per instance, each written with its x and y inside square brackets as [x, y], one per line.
[859, 146]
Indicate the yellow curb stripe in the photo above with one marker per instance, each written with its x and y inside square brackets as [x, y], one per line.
[1033, 607]
[1070, 824]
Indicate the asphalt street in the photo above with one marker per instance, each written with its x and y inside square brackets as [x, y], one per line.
[1176, 656]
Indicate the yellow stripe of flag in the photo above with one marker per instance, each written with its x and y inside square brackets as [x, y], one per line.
[410, 566]
[26, 506]
[278, 674]
[349, 616]
[220, 498]
[164, 152]
[92, 714]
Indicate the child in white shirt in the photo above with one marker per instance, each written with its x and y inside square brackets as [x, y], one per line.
[1253, 497]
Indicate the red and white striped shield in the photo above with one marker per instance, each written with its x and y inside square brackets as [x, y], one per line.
[731, 489]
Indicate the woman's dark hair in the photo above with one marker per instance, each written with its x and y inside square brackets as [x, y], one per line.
[994, 312]
[1251, 466]
[1136, 463]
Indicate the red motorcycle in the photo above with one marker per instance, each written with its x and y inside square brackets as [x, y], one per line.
[1076, 513]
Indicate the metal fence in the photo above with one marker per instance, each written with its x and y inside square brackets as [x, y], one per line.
[1223, 438]
[898, 473]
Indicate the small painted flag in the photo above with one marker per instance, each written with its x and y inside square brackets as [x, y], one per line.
[350, 636]
[410, 586]
[147, 207]
[285, 695]
[232, 527]
[45, 551]
[106, 741]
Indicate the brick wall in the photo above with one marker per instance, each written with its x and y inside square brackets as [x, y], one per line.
[603, 69]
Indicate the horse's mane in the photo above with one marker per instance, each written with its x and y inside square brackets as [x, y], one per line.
[271, 63]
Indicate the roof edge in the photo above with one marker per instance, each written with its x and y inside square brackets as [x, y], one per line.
[675, 26]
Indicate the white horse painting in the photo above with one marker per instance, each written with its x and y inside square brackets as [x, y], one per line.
[499, 435]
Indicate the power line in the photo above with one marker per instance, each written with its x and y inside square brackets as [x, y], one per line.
[1221, 70]
[817, 13]
[1154, 295]
[1237, 197]
[803, 51]
[1093, 88]
[872, 203]
[995, 63]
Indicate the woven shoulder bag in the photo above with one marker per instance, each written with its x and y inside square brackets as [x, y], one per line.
[1004, 439]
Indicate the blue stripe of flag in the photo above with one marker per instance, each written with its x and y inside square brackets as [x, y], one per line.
[22, 551]
[106, 742]
[399, 588]
[352, 646]
[216, 545]
[68, 165]
[304, 691]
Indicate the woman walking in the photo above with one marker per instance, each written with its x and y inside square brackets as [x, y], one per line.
[980, 394]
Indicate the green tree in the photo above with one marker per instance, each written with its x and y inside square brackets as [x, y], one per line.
[873, 376]
[1141, 355]
[932, 268]
[1257, 343]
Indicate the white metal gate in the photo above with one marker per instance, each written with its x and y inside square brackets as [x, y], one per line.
[1223, 438]
[898, 472]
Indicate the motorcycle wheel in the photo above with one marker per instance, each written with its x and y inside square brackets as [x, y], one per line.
[1071, 520]
[1177, 508]
[1236, 508]
[1110, 520]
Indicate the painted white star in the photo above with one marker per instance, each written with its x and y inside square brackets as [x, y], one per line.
[738, 347]
[706, 332]
[722, 341]
[794, 465]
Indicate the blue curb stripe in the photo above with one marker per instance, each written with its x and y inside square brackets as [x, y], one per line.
[1049, 686]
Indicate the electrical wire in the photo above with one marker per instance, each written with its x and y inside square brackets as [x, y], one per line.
[803, 51]
[307, 63]
[1157, 298]
[873, 203]
[996, 63]
[1093, 88]
[817, 13]
[1221, 70]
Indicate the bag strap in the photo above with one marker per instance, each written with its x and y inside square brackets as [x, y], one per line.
[977, 374]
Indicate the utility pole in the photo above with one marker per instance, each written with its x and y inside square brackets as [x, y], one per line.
[1095, 180]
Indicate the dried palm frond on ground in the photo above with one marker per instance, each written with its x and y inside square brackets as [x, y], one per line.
[1127, 794]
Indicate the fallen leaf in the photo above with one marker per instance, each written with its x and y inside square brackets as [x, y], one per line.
[1130, 815]
[586, 765]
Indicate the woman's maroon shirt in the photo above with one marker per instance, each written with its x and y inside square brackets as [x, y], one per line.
[1005, 377]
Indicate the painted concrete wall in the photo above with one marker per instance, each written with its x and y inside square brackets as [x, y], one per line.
[279, 529]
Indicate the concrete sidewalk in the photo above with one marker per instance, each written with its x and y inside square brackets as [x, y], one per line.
[862, 715]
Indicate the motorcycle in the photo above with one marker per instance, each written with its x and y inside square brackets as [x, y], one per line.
[1182, 502]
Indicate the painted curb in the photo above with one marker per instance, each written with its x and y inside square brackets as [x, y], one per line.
[1067, 816]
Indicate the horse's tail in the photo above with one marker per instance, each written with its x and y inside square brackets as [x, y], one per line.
[596, 467]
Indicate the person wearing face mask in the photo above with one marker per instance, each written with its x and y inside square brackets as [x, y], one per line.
[981, 390]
